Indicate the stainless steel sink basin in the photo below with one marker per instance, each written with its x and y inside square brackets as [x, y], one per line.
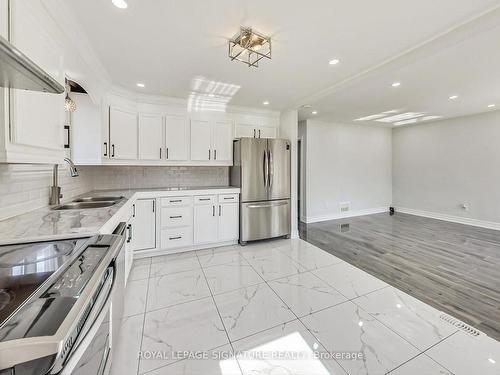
[84, 205]
[98, 199]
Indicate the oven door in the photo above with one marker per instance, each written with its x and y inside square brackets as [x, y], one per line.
[92, 355]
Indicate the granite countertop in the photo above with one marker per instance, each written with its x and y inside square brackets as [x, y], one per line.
[45, 224]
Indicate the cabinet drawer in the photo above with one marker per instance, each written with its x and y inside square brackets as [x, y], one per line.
[176, 237]
[229, 198]
[205, 199]
[176, 201]
[176, 216]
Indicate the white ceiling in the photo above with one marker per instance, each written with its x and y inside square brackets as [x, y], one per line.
[167, 44]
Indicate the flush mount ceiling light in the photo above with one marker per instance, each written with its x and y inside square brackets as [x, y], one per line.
[141, 85]
[249, 47]
[265, 103]
[396, 84]
[314, 112]
[453, 97]
[122, 4]
[333, 61]
[491, 105]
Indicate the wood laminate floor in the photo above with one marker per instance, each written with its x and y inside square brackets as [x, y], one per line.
[453, 267]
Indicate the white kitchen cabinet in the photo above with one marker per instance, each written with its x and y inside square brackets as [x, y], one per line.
[176, 138]
[150, 136]
[223, 141]
[228, 226]
[201, 140]
[244, 130]
[212, 141]
[122, 133]
[33, 122]
[144, 225]
[205, 219]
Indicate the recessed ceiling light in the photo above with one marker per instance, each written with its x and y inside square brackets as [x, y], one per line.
[333, 61]
[453, 97]
[396, 84]
[314, 112]
[140, 84]
[491, 360]
[122, 4]
[492, 106]
[265, 103]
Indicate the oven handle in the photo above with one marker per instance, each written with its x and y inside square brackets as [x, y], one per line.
[91, 326]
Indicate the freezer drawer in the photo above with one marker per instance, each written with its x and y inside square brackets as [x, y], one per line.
[261, 220]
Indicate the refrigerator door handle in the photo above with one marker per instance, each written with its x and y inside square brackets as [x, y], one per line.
[267, 205]
[265, 167]
[270, 169]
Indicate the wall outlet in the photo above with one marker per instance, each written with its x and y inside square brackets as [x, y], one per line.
[345, 206]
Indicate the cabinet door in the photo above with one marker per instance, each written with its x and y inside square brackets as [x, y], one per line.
[150, 136]
[229, 221]
[205, 224]
[37, 118]
[223, 141]
[176, 138]
[123, 133]
[244, 131]
[201, 140]
[266, 132]
[144, 225]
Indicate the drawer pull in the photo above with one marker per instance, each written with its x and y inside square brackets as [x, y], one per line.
[227, 198]
[176, 201]
[175, 238]
[204, 199]
[176, 217]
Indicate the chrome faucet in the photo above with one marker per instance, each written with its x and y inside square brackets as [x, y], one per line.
[55, 190]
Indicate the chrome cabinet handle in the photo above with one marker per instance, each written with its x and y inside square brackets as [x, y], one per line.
[105, 148]
[175, 238]
[208, 154]
[215, 154]
[259, 133]
[154, 205]
[176, 201]
[133, 206]
[213, 210]
[204, 199]
[254, 133]
[129, 228]
[167, 152]
[160, 152]
[226, 198]
[220, 209]
[176, 217]
[113, 148]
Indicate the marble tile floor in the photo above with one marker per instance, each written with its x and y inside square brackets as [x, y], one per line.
[283, 307]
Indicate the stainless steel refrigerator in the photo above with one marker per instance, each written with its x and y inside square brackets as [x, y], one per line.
[261, 170]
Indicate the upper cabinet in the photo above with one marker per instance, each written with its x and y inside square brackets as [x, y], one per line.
[123, 133]
[33, 122]
[176, 138]
[150, 136]
[134, 133]
[212, 141]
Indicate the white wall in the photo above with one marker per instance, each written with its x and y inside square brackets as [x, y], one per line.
[441, 165]
[289, 121]
[347, 163]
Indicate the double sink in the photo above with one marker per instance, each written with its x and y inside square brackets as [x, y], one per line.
[89, 202]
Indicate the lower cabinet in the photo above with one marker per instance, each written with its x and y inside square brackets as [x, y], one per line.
[216, 220]
[144, 225]
[199, 220]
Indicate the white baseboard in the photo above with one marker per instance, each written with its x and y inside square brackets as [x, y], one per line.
[452, 218]
[138, 254]
[335, 216]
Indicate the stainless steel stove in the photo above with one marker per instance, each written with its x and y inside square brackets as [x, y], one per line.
[52, 295]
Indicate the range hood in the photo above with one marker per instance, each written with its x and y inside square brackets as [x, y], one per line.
[17, 71]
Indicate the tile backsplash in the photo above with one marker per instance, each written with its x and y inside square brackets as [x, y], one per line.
[114, 177]
[25, 188]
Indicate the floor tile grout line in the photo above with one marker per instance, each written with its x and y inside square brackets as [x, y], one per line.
[144, 317]
[301, 322]
[218, 312]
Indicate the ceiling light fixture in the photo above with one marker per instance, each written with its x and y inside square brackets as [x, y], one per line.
[69, 104]
[333, 61]
[314, 112]
[396, 84]
[306, 106]
[491, 105]
[141, 85]
[265, 103]
[453, 97]
[122, 4]
[249, 47]
[491, 360]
